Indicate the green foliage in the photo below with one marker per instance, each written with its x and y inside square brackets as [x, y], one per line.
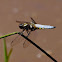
[6, 55]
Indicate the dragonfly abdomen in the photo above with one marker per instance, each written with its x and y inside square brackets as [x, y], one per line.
[39, 26]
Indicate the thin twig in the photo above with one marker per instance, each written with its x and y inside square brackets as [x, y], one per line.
[8, 35]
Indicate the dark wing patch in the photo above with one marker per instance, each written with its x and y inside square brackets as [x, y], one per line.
[22, 22]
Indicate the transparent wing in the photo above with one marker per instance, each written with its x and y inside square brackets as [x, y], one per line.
[21, 22]
[19, 39]
[32, 37]
[26, 43]
[16, 40]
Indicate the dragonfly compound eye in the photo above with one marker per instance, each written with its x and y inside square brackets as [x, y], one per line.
[21, 26]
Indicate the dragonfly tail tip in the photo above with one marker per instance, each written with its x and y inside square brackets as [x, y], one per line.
[54, 27]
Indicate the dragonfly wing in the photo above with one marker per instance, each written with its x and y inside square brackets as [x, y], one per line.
[32, 37]
[39, 26]
[22, 22]
[33, 20]
[26, 43]
[16, 40]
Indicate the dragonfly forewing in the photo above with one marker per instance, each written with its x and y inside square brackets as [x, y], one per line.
[19, 39]
[26, 43]
[16, 40]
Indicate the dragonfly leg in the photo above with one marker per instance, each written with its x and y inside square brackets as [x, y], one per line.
[28, 32]
[23, 31]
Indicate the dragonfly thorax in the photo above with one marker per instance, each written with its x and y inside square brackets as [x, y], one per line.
[27, 27]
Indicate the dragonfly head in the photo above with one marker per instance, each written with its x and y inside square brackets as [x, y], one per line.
[21, 26]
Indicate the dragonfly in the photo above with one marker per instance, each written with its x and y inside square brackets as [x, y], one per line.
[29, 27]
